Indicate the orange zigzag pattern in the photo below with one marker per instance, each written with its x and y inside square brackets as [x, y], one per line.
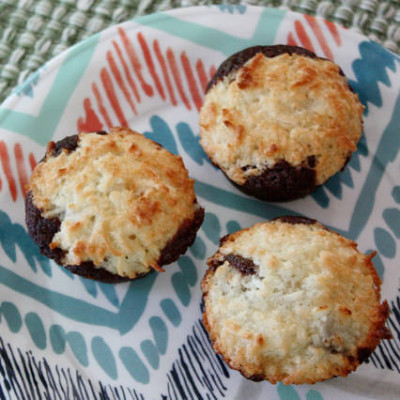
[15, 170]
[300, 37]
[179, 81]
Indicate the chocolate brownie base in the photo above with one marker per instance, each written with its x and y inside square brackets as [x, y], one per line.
[184, 238]
[89, 271]
[282, 182]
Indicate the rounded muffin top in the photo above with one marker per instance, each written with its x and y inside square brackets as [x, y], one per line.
[288, 107]
[292, 301]
[120, 198]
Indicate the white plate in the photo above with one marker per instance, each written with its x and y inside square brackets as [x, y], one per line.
[66, 337]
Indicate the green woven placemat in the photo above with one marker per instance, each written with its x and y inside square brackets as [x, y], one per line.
[33, 31]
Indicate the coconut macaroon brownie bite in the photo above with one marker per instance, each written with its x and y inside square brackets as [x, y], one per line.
[291, 301]
[279, 121]
[111, 207]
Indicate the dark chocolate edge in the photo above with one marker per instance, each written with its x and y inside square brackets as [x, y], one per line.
[282, 182]
[184, 238]
[237, 60]
[294, 219]
[298, 181]
[69, 143]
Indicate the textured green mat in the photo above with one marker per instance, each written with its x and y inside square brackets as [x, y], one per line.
[33, 31]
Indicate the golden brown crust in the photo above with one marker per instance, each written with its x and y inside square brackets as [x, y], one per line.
[311, 312]
[121, 199]
[286, 108]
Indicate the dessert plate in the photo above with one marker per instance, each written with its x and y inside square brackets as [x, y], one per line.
[66, 337]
